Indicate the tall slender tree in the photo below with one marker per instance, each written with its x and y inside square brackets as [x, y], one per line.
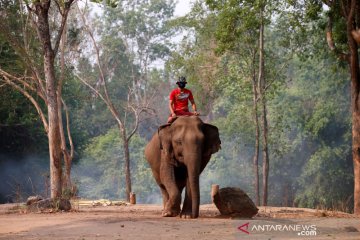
[49, 88]
[140, 36]
[236, 18]
[349, 12]
[343, 18]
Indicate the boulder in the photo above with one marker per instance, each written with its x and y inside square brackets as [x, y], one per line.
[234, 202]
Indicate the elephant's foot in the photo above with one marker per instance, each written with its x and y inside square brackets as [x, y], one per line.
[171, 210]
[186, 214]
[168, 213]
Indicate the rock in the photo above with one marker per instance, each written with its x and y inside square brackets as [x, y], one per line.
[56, 204]
[33, 199]
[350, 229]
[235, 202]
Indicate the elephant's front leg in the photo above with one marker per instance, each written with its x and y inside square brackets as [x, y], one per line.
[187, 206]
[167, 175]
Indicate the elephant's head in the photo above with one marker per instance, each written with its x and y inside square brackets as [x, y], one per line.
[190, 134]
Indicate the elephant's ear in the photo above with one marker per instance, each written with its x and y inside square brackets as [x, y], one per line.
[161, 131]
[212, 138]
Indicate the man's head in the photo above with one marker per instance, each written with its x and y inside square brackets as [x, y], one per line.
[181, 82]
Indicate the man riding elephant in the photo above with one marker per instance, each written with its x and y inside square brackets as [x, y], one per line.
[179, 101]
[179, 151]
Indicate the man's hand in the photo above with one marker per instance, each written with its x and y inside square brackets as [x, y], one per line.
[196, 113]
[173, 115]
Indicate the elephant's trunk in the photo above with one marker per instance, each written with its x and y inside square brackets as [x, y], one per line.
[195, 195]
[193, 175]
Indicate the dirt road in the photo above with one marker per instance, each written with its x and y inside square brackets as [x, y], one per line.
[144, 222]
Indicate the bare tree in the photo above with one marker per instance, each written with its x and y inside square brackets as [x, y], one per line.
[121, 115]
[264, 124]
[41, 86]
[257, 128]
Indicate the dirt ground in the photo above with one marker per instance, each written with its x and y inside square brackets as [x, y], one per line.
[145, 222]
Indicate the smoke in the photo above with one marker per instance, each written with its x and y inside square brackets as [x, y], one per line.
[23, 177]
[99, 173]
[95, 182]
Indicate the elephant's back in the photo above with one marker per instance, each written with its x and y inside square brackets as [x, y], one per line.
[187, 120]
[152, 149]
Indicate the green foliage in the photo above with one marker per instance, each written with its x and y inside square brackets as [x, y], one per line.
[144, 26]
[301, 20]
[100, 170]
[229, 167]
[238, 21]
[20, 128]
[307, 101]
[326, 180]
[312, 151]
[195, 57]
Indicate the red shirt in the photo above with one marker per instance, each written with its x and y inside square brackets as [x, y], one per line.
[181, 99]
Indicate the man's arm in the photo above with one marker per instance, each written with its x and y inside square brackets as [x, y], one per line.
[193, 105]
[171, 107]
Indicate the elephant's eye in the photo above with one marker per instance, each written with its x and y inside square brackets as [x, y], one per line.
[178, 141]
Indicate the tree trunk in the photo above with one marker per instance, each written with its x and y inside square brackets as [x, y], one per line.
[257, 135]
[356, 157]
[65, 153]
[355, 106]
[262, 86]
[350, 14]
[52, 103]
[286, 195]
[127, 163]
[54, 134]
[265, 154]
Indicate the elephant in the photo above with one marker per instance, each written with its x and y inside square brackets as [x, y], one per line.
[177, 154]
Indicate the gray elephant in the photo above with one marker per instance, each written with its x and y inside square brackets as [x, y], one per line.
[177, 154]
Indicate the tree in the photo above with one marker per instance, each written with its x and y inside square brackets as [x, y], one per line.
[32, 84]
[135, 57]
[262, 96]
[144, 30]
[343, 19]
[348, 12]
[236, 18]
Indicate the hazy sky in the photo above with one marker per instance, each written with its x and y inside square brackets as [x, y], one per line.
[182, 7]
